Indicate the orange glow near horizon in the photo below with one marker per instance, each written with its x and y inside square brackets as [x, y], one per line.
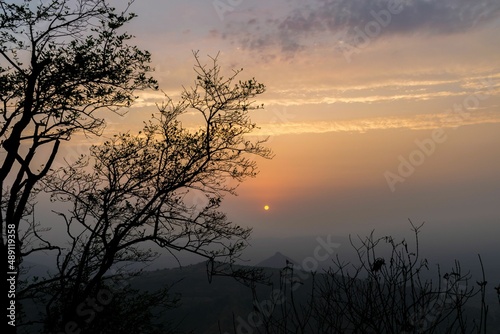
[340, 121]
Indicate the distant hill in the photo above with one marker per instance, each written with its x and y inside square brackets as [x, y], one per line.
[206, 307]
[278, 261]
[225, 306]
[32, 269]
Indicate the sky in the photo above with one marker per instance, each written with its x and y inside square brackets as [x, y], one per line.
[378, 112]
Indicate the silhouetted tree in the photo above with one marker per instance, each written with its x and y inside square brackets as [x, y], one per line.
[137, 189]
[60, 62]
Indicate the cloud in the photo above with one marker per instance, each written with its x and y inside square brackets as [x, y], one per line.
[356, 22]
[417, 122]
[486, 84]
[398, 16]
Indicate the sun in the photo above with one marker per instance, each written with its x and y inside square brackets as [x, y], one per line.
[266, 207]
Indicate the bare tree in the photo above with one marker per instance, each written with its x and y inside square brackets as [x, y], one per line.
[136, 189]
[390, 289]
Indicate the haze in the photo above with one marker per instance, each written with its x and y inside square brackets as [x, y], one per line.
[378, 112]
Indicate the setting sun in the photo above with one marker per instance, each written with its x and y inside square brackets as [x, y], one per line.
[266, 207]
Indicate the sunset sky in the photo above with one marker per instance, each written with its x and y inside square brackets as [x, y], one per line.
[377, 111]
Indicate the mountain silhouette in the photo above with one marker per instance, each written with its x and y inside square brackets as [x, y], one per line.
[278, 260]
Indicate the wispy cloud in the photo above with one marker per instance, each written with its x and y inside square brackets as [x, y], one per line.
[386, 91]
[418, 122]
